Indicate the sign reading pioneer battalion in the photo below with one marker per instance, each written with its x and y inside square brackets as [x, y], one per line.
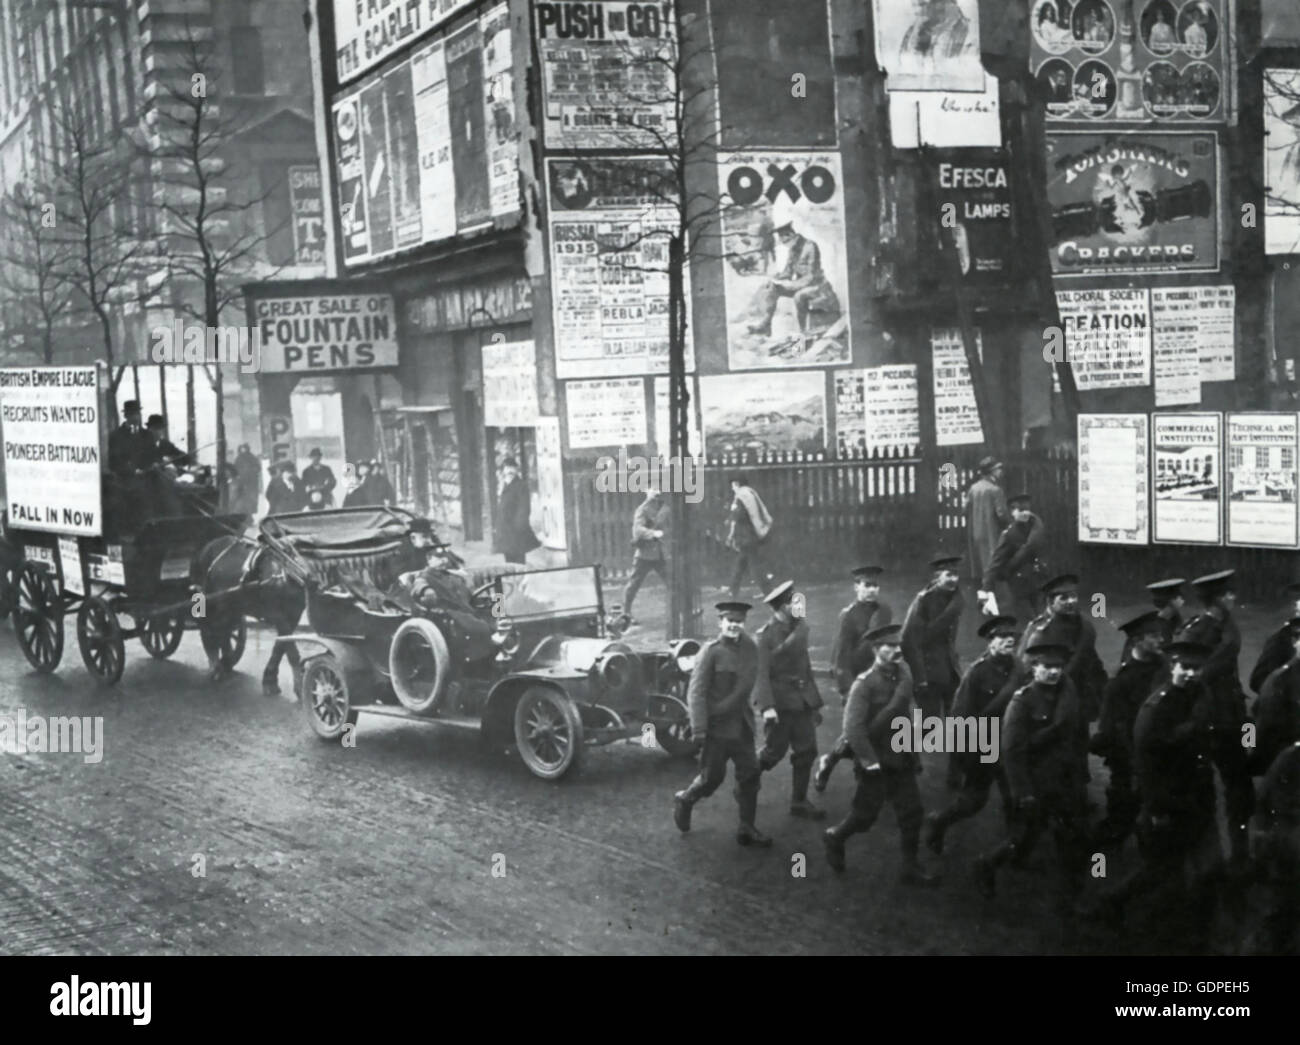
[326, 332]
[50, 418]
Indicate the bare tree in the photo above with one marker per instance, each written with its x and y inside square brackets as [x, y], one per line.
[33, 270]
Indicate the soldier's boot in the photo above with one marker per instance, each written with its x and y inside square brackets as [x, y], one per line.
[799, 804]
[748, 834]
[682, 804]
[913, 873]
[747, 800]
[833, 841]
[823, 775]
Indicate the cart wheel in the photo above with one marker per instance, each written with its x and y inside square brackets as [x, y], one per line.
[38, 619]
[672, 722]
[548, 732]
[161, 635]
[228, 643]
[100, 638]
[325, 699]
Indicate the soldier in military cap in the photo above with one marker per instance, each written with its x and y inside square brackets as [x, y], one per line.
[1277, 711]
[878, 697]
[1041, 750]
[930, 634]
[1012, 570]
[1216, 629]
[1279, 846]
[1167, 598]
[983, 692]
[722, 722]
[1137, 678]
[1277, 647]
[1176, 830]
[786, 694]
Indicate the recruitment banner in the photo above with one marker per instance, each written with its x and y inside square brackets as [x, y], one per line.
[326, 332]
[367, 33]
[764, 413]
[1282, 161]
[1263, 450]
[785, 267]
[1188, 478]
[510, 384]
[52, 464]
[1107, 336]
[606, 413]
[974, 197]
[609, 225]
[1113, 479]
[308, 216]
[933, 46]
[1131, 203]
[956, 413]
[607, 73]
[1159, 60]
[1175, 328]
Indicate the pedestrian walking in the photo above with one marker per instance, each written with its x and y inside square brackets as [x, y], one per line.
[749, 525]
[1015, 570]
[1277, 647]
[983, 693]
[930, 636]
[1167, 598]
[246, 492]
[986, 517]
[318, 481]
[1137, 678]
[284, 493]
[722, 722]
[1216, 629]
[879, 697]
[1041, 752]
[649, 527]
[514, 537]
[786, 695]
[1277, 711]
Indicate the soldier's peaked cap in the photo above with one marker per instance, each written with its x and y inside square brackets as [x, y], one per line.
[1214, 581]
[1019, 499]
[1166, 587]
[733, 607]
[996, 626]
[889, 633]
[1059, 585]
[1189, 652]
[779, 595]
[863, 573]
[1049, 651]
[1140, 624]
[944, 560]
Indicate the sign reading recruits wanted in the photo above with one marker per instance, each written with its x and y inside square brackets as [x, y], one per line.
[1133, 203]
[326, 332]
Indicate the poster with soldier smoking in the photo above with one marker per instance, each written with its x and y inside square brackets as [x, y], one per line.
[1282, 161]
[956, 414]
[764, 413]
[1133, 203]
[1116, 60]
[1188, 478]
[609, 266]
[606, 413]
[1176, 358]
[1113, 479]
[1263, 450]
[929, 46]
[974, 196]
[607, 73]
[785, 268]
[1107, 336]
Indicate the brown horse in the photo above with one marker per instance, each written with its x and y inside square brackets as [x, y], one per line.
[242, 578]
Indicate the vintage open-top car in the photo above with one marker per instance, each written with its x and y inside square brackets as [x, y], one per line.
[528, 658]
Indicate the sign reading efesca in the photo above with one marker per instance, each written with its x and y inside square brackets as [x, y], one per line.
[50, 418]
[327, 332]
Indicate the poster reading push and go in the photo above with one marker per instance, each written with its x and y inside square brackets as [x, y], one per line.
[1262, 475]
[50, 419]
[1188, 478]
[1113, 479]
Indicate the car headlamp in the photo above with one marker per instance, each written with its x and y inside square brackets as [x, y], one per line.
[685, 653]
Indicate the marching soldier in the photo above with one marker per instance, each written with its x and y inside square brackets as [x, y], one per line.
[1277, 647]
[1137, 678]
[722, 722]
[1277, 711]
[1041, 748]
[852, 654]
[930, 634]
[786, 694]
[1175, 781]
[1167, 598]
[877, 698]
[983, 692]
[1216, 630]
[1062, 624]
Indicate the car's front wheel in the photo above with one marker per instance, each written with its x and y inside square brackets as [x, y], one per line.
[325, 697]
[548, 732]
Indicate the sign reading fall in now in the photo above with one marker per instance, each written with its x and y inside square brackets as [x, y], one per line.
[327, 332]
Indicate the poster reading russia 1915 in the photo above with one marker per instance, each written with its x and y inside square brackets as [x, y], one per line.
[1262, 476]
[932, 46]
[1141, 201]
[607, 73]
[1188, 478]
[610, 265]
[785, 267]
[1113, 479]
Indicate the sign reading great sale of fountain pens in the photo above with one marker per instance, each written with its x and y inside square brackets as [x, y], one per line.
[1133, 203]
[326, 332]
[50, 420]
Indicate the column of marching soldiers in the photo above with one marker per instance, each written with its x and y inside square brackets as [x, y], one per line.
[1173, 716]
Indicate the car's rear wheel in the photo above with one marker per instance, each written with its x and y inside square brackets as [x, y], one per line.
[325, 697]
[419, 664]
[548, 732]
